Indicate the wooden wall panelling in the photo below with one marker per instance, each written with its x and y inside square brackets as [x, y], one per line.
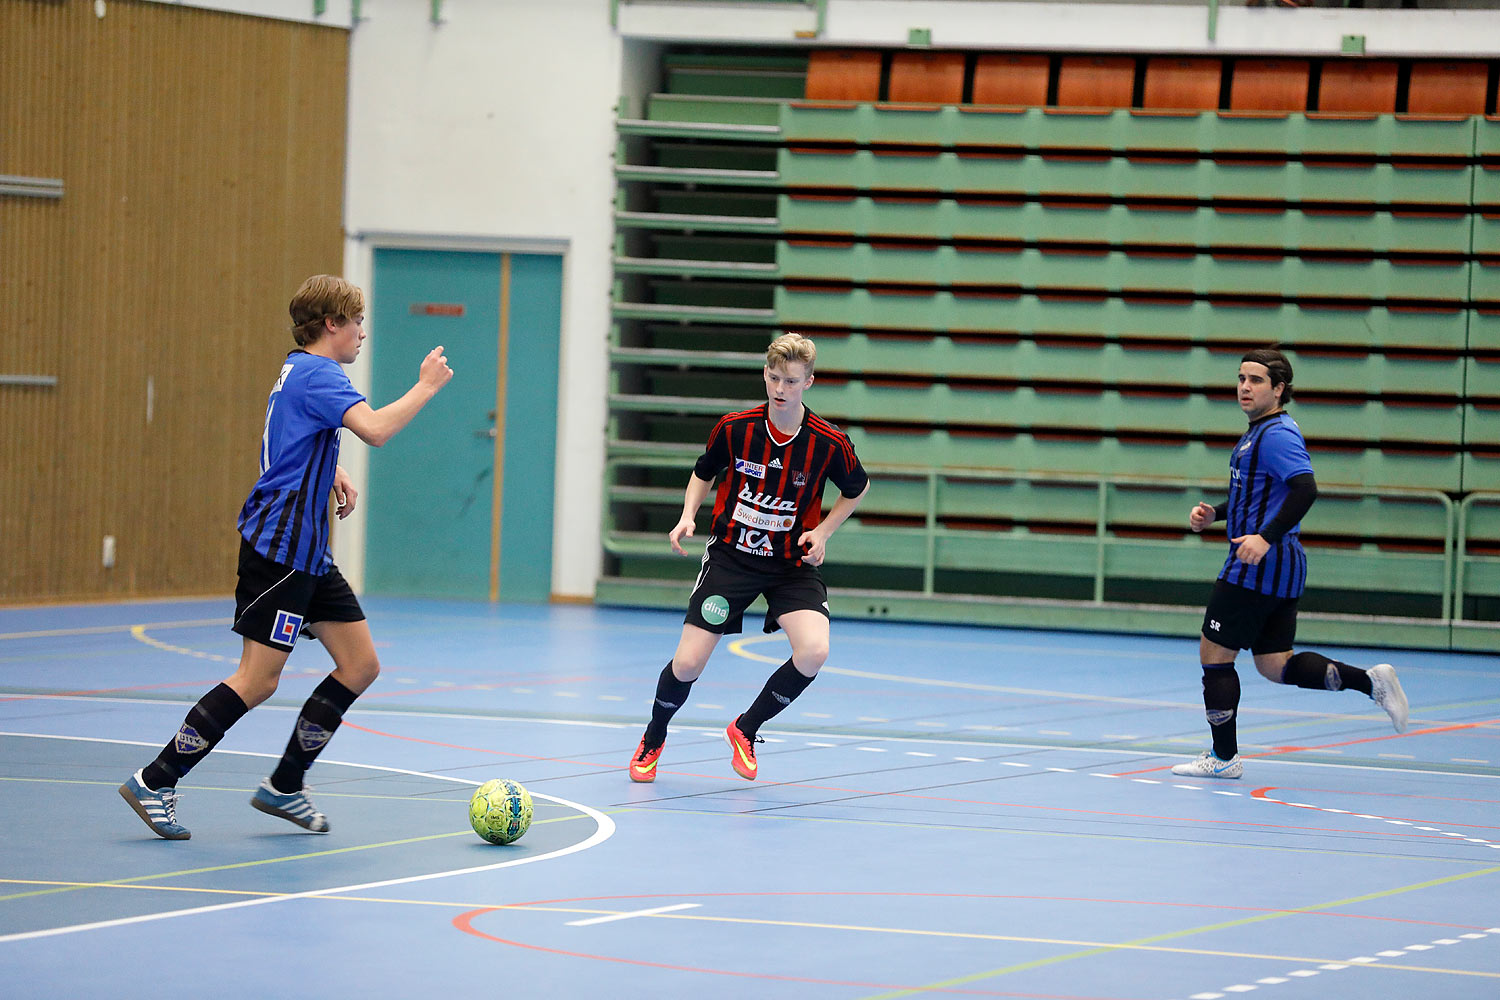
[194, 204]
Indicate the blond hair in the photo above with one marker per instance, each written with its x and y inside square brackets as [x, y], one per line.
[321, 297]
[791, 347]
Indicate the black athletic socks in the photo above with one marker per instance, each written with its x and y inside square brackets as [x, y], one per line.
[671, 693]
[1318, 672]
[780, 691]
[320, 716]
[1221, 701]
[204, 727]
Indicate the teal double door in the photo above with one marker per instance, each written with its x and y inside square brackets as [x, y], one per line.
[460, 503]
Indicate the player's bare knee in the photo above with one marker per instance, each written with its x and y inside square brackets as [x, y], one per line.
[252, 690]
[809, 661]
[687, 668]
[358, 675]
[1272, 668]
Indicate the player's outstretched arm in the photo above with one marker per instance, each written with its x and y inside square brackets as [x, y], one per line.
[692, 499]
[816, 540]
[376, 427]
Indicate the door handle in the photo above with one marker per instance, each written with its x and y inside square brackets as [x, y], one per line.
[491, 433]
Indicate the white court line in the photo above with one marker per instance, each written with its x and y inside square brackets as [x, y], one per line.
[717, 733]
[605, 830]
[633, 913]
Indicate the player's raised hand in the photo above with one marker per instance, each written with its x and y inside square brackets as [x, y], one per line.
[684, 529]
[435, 372]
[1201, 516]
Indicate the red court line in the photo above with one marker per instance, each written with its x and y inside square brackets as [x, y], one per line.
[1329, 746]
[464, 922]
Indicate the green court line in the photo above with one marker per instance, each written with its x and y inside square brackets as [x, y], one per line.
[1225, 925]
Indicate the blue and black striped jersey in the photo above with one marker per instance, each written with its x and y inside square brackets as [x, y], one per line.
[285, 518]
[1270, 452]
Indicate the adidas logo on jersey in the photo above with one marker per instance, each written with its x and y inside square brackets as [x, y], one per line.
[775, 464]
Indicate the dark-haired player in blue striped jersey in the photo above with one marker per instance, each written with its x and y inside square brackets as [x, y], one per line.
[1254, 601]
[288, 584]
[768, 537]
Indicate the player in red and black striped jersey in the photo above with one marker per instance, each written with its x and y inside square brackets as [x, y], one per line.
[768, 536]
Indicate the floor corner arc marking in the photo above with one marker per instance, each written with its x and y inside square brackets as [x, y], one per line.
[604, 828]
[737, 647]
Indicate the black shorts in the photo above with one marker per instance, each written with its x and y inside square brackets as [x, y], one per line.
[273, 602]
[1241, 618]
[728, 582]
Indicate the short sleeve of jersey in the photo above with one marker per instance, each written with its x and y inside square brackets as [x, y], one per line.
[1284, 452]
[715, 458]
[846, 472]
[329, 395]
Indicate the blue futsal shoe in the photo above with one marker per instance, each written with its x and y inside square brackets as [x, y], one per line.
[295, 807]
[157, 809]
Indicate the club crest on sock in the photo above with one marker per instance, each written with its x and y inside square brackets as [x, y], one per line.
[310, 735]
[188, 740]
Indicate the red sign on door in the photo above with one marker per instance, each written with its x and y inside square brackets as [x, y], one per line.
[437, 309]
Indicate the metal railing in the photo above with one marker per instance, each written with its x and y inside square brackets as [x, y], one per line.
[1106, 487]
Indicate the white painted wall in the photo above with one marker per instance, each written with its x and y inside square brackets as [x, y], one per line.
[494, 128]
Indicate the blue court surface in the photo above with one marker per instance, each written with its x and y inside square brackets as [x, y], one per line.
[947, 811]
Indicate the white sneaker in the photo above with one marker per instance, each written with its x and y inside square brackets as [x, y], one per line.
[1206, 765]
[1386, 690]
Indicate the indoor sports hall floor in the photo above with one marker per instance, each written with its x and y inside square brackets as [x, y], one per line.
[947, 811]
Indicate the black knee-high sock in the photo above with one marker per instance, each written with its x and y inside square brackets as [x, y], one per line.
[320, 716]
[671, 693]
[1221, 702]
[204, 727]
[780, 691]
[1318, 672]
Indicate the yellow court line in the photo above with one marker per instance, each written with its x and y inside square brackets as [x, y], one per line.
[1096, 947]
[50, 633]
[1143, 943]
[69, 887]
[737, 647]
[138, 632]
[323, 793]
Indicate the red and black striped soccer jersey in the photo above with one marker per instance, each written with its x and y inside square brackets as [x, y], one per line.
[772, 493]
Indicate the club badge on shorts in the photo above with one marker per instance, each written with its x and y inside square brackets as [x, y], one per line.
[286, 628]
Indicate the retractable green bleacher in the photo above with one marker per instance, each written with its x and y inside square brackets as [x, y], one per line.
[1029, 317]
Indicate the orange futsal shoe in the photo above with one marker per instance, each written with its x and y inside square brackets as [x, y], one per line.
[643, 764]
[741, 751]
